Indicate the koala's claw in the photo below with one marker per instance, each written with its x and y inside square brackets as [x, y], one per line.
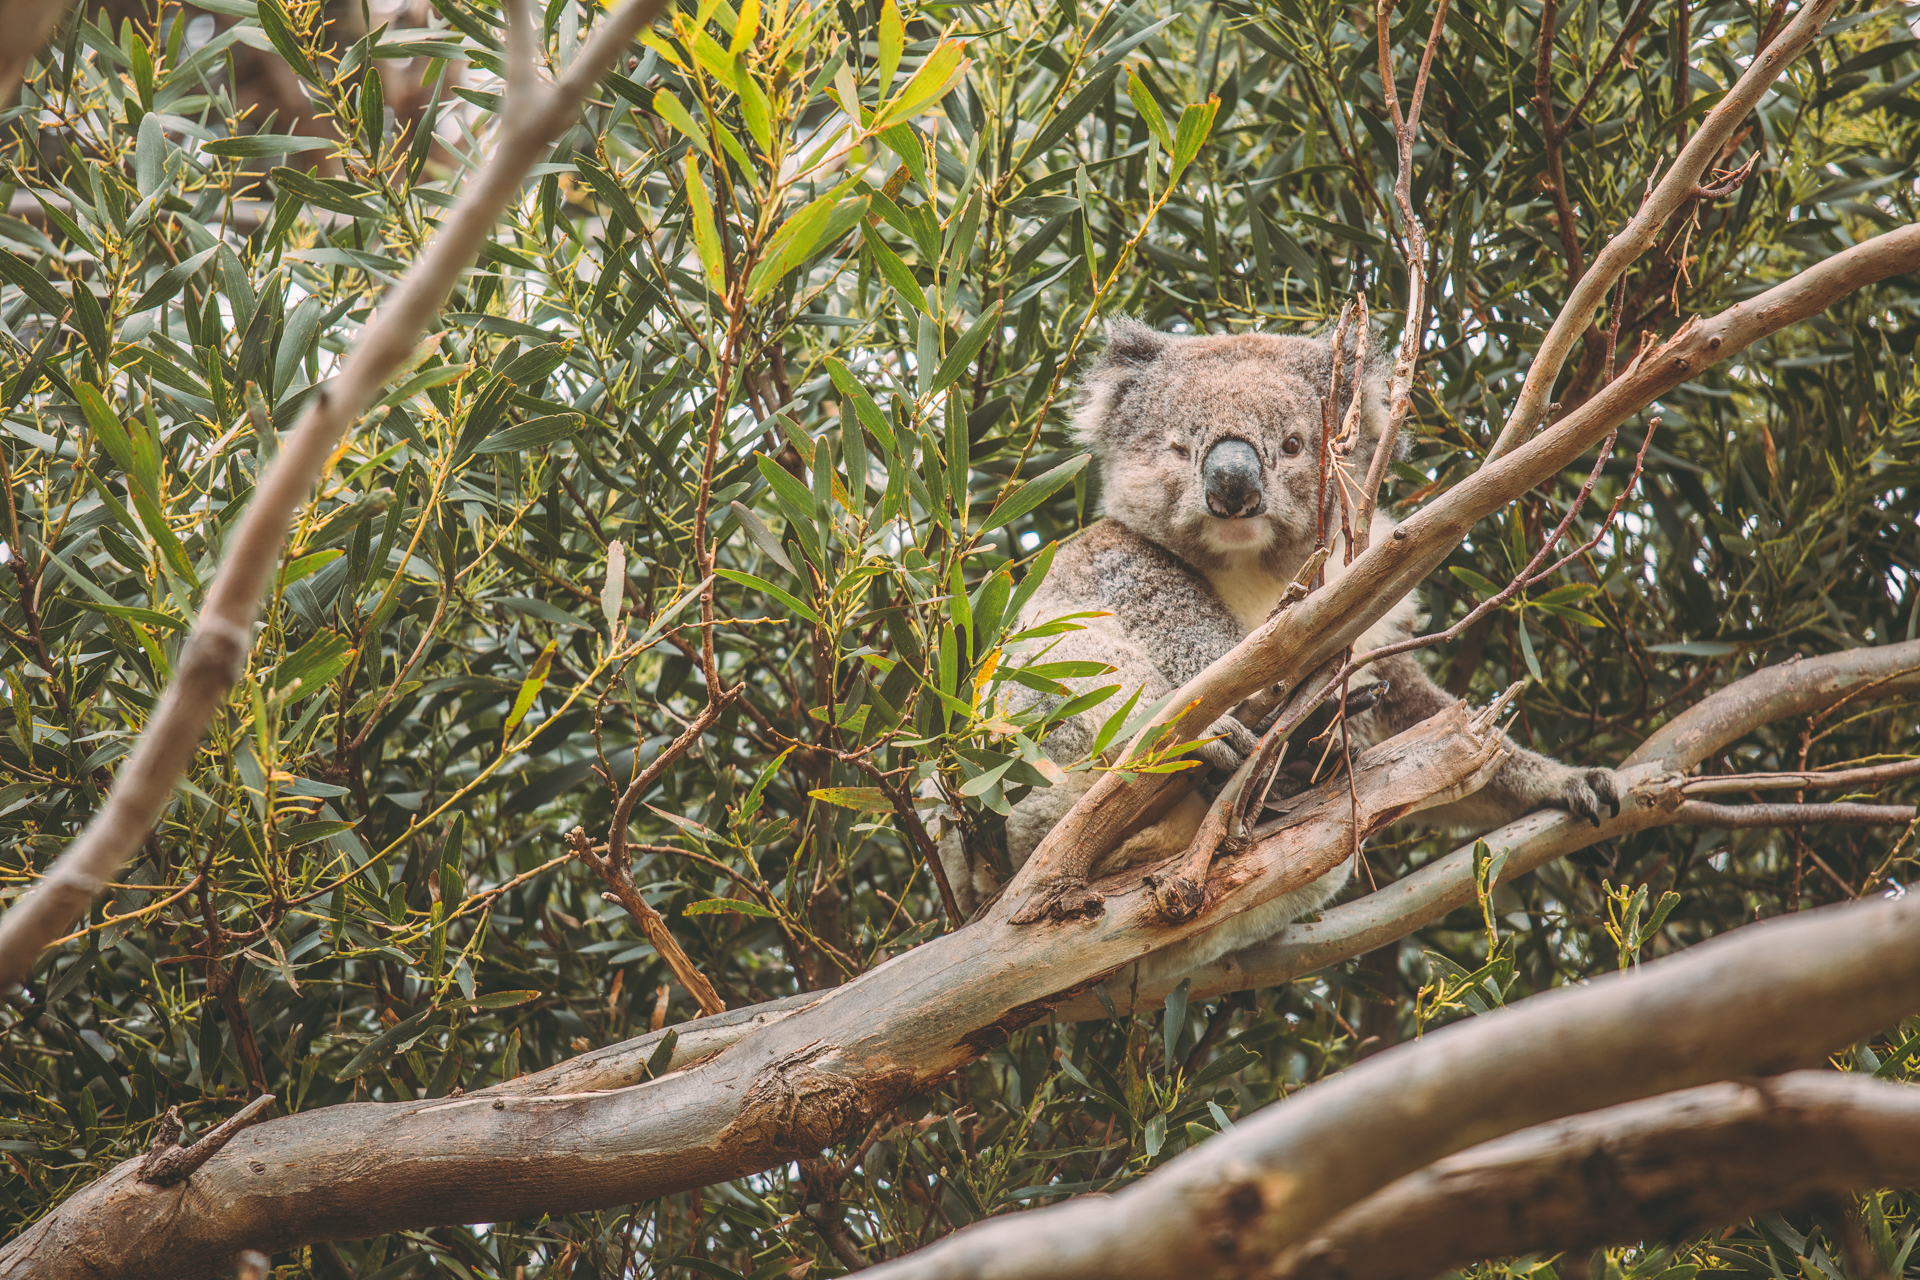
[1232, 743]
[1588, 790]
[1367, 697]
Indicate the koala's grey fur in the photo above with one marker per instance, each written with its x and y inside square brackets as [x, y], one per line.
[1183, 586]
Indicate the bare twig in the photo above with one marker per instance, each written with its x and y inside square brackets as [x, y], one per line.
[216, 651]
[1553, 136]
[1414, 239]
[618, 876]
[1663, 1169]
[1816, 780]
[1736, 817]
[168, 1162]
[1638, 235]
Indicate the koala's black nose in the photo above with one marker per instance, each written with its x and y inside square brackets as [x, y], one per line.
[1232, 475]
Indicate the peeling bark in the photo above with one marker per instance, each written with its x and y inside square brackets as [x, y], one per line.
[1664, 1169]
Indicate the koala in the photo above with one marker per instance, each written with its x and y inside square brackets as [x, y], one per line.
[1208, 450]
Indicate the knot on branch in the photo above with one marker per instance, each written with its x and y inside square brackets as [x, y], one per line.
[580, 845]
[168, 1162]
[216, 651]
[809, 1108]
[1177, 897]
[1062, 900]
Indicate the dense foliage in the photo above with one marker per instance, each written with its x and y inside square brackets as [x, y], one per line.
[730, 467]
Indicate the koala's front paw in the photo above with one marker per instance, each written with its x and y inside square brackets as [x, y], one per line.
[1232, 743]
[1587, 792]
[1364, 698]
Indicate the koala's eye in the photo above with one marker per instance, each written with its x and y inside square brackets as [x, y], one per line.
[1290, 446]
[1179, 450]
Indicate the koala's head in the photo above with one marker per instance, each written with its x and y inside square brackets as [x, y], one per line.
[1210, 446]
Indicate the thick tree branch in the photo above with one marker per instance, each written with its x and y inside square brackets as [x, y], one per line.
[806, 1080]
[1663, 1169]
[1763, 999]
[216, 651]
[1741, 817]
[27, 23]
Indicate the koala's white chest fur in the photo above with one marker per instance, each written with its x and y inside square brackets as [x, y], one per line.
[1250, 591]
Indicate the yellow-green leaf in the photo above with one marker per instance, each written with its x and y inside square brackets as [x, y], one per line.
[501, 999]
[664, 49]
[668, 108]
[753, 104]
[707, 51]
[746, 28]
[845, 92]
[939, 73]
[294, 570]
[859, 799]
[137, 453]
[318, 661]
[1149, 110]
[529, 690]
[706, 236]
[738, 906]
[615, 587]
[1196, 122]
[761, 584]
[792, 244]
[893, 38]
[895, 271]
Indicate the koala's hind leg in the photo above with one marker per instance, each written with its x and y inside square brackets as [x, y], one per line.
[1524, 782]
[1169, 833]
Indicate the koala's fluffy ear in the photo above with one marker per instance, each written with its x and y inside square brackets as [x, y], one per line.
[1131, 347]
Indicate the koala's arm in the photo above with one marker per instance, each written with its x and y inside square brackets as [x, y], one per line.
[1525, 782]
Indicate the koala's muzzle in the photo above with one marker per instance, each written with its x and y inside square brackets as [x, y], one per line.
[1231, 472]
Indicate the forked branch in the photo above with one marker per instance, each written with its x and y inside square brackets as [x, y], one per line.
[1673, 191]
